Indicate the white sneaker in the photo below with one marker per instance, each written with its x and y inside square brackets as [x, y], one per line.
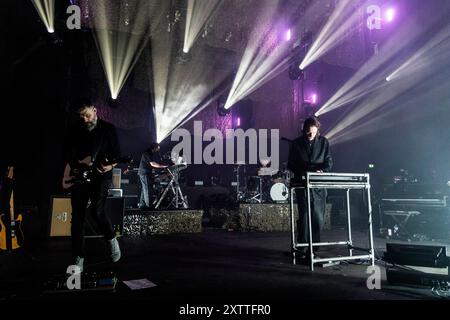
[115, 249]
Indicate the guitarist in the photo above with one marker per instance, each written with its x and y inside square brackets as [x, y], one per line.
[90, 145]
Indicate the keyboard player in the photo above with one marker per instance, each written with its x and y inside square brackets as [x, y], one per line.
[151, 160]
[310, 153]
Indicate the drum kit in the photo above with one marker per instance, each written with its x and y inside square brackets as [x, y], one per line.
[268, 186]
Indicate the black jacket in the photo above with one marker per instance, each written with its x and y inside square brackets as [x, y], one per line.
[101, 143]
[303, 158]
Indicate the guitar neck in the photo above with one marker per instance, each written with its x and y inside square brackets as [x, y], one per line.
[117, 160]
[11, 206]
[11, 198]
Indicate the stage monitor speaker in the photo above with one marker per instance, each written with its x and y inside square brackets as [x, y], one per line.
[416, 255]
[61, 217]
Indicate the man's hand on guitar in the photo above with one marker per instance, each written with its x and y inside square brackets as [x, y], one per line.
[105, 168]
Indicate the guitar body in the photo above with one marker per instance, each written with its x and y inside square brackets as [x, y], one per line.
[2, 233]
[85, 170]
[17, 237]
[16, 233]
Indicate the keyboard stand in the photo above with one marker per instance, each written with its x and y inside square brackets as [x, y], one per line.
[337, 181]
[401, 218]
[178, 199]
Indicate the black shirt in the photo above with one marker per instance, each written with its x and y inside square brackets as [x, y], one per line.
[100, 143]
[306, 156]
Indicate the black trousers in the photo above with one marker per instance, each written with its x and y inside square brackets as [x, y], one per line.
[96, 191]
[318, 200]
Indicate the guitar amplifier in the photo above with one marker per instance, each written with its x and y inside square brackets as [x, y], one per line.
[61, 217]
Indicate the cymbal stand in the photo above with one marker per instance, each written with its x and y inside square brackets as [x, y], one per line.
[239, 193]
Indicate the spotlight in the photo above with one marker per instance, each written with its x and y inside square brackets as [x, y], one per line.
[221, 110]
[295, 73]
[114, 102]
[183, 57]
[390, 14]
[55, 39]
[46, 11]
[314, 98]
[288, 35]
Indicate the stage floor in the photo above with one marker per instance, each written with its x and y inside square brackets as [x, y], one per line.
[210, 266]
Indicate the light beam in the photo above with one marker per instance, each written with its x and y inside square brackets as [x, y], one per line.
[46, 10]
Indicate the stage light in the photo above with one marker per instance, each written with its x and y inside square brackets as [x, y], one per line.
[343, 18]
[432, 53]
[114, 102]
[120, 46]
[238, 122]
[288, 35]
[182, 90]
[183, 57]
[46, 9]
[390, 14]
[198, 13]
[314, 98]
[265, 56]
[221, 110]
[295, 73]
[371, 76]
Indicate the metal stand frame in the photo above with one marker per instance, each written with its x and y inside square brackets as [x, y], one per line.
[239, 193]
[259, 196]
[178, 198]
[349, 243]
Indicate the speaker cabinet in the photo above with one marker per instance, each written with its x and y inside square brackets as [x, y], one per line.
[61, 217]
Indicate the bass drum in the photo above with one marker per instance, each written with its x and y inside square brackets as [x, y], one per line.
[279, 192]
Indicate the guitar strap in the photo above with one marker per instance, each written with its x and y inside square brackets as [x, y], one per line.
[99, 143]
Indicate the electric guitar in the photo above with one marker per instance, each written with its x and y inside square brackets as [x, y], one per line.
[16, 233]
[85, 170]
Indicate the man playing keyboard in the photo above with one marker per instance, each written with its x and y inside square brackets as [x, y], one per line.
[151, 159]
[310, 153]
